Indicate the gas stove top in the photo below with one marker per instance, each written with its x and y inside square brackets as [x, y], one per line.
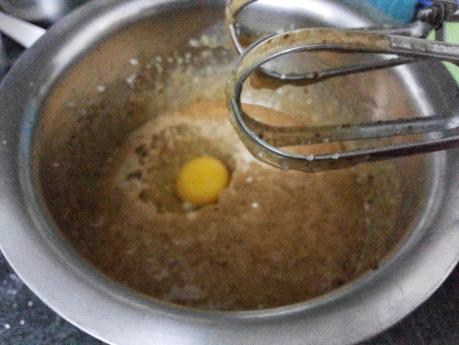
[9, 52]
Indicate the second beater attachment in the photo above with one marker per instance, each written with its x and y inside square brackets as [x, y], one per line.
[266, 141]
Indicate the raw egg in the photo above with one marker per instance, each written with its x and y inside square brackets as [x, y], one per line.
[201, 180]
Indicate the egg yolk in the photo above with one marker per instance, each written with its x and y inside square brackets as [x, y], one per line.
[201, 180]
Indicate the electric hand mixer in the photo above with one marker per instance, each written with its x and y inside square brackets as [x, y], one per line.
[400, 44]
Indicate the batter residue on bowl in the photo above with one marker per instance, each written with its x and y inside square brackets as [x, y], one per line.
[274, 237]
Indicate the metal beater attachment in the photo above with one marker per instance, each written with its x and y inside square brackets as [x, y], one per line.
[266, 142]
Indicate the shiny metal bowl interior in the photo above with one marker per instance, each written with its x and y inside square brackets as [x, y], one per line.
[73, 149]
[71, 123]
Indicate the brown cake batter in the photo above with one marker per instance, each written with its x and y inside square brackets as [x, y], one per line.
[274, 238]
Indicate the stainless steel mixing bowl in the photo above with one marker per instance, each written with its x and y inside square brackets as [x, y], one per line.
[92, 48]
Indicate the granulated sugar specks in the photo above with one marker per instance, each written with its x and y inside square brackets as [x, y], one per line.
[101, 88]
[134, 61]
[131, 80]
[193, 43]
